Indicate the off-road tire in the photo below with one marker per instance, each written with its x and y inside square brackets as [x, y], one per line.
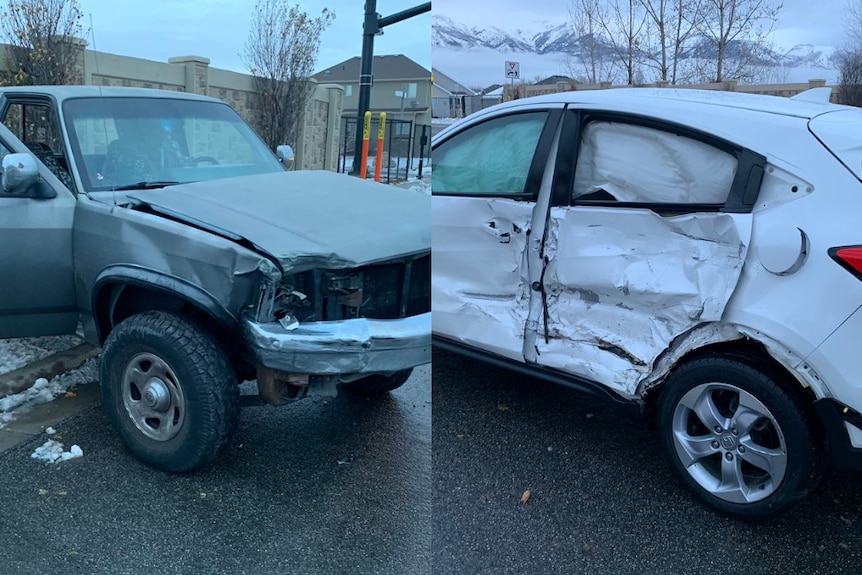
[206, 380]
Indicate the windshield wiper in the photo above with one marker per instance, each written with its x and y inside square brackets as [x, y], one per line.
[145, 186]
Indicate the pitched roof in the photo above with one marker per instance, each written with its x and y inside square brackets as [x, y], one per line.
[449, 85]
[388, 67]
[555, 79]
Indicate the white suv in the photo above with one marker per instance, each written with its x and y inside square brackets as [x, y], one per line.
[692, 256]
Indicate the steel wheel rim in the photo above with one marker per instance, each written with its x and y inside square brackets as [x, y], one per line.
[729, 442]
[153, 397]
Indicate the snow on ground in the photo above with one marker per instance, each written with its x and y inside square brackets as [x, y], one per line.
[396, 168]
[43, 390]
[53, 451]
[15, 353]
[422, 186]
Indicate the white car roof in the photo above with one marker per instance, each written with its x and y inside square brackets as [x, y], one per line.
[685, 100]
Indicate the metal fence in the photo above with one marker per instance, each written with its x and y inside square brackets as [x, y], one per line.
[461, 106]
[406, 148]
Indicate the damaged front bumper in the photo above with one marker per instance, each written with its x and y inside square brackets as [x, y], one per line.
[341, 347]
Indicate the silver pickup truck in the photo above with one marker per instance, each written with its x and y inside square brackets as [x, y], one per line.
[161, 223]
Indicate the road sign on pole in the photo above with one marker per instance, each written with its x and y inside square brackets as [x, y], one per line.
[513, 71]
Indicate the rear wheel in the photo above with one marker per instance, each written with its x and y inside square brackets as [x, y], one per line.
[169, 390]
[378, 384]
[736, 438]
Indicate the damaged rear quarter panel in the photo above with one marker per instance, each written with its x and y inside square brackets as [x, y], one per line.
[623, 283]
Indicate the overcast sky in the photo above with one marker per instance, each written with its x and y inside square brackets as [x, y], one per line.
[817, 22]
[218, 30]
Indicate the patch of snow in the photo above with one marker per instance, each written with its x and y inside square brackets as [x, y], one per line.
[44, 391]
[18, 352]
[420, 186]
[53, 452]
[50, 431]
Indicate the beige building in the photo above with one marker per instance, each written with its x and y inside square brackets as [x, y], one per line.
[317, 145]
[401, 87]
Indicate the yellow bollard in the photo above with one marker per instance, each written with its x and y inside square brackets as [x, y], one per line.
[366, 135]
[378, 160]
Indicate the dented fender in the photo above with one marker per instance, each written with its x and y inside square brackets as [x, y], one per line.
[713, 333]
[214, 273]
[122, 276]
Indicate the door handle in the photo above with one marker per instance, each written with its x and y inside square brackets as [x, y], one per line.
[492, 229]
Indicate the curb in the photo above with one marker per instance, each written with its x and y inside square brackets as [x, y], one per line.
[22, 378]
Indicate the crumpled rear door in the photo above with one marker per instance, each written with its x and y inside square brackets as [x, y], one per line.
[622, 284]
[651, 245]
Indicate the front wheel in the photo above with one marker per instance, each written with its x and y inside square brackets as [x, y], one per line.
[736, 438]
[169, 390]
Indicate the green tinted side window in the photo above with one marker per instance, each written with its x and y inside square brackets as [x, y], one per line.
[491, 158]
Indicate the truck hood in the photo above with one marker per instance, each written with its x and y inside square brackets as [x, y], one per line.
[304, 219]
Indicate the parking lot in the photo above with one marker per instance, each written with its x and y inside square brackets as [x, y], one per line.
[321, 486]
[602, 499]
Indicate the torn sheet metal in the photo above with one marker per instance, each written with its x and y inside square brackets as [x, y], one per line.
[305, 219]
[638, 164]
[480, 293]
[622, 284]
[711, 333]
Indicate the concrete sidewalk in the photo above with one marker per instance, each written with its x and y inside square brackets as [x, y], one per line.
[33, 421]
[49, 367]
[30, 421]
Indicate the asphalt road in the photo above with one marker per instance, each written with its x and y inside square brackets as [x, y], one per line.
[321, 486]
[603, 500]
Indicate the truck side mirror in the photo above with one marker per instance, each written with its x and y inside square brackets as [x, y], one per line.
[20, 172]
[21, 178]
[285, 156]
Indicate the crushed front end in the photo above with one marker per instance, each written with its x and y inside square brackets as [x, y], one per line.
[314, 329]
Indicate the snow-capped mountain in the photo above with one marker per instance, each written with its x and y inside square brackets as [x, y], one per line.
[445, 32]
[557, 40]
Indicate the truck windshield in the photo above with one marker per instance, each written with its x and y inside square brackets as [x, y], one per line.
[139, 142]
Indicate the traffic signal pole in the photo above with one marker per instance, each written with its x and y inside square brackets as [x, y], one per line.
[371, 26]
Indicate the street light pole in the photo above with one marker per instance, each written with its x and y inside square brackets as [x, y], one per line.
[372, 25]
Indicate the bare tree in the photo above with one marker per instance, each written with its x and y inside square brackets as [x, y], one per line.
[853, 24]
[44, 40]
[738, 34]
[281, 53]
[850, 78]
[591, 62]
[623, 25]
[671, 26]
[850, 56]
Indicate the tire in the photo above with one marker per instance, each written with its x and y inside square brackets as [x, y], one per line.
[169, 391]
[378, 384]
[736, 439]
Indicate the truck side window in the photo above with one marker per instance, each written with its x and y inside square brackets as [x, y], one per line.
[36, 125]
